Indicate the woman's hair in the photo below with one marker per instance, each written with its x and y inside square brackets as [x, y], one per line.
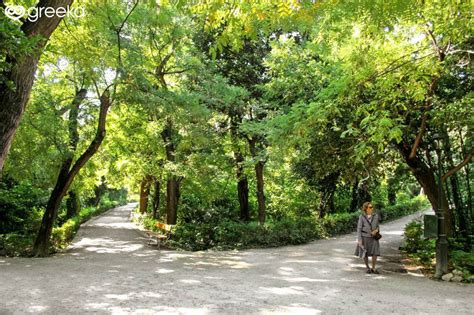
[365, 206]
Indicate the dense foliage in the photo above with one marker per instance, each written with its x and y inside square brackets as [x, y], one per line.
[246, 124]
[213, 230]
[19, 239]
[422, 250]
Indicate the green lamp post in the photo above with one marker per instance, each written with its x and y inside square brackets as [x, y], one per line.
[441, 241]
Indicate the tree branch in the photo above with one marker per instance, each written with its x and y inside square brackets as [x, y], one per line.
[440, 51]
[119, 30]
[392, 68]
[119, 45]
[176, 71]
[95, 143]
[452, 52]
[424, 119]
[459, 166]
[44, 26]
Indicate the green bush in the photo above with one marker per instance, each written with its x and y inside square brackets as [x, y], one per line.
[62, 235]
[413, 236]
[21, 210]
[216, 228]
[20, 207]
[418, 248]
[229, 234]
[403, 208]
[340, 223]
[463, 261]
[16, 244]
[423, 250]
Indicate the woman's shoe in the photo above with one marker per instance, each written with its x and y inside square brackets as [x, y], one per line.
[369, 271]
[375, 271]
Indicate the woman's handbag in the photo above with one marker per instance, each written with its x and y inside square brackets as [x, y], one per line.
[377, 236]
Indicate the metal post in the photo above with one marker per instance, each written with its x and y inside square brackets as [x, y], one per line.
[441, 242]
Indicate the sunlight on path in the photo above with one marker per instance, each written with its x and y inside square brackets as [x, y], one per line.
[109, 269]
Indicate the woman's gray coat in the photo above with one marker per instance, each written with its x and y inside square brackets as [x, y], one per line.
[364, 227]
[370, 246]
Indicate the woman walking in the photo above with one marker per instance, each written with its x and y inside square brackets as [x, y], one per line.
[367, 239]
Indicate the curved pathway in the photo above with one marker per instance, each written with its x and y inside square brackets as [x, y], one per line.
[109, 269]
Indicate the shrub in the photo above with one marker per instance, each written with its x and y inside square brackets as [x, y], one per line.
[418, 248]
[340, 223]
[20, 207]
[403, 208]
[62, 235]
[463, 261]
[16, 244]
[413, 237]
[219, 229]
[21, 211]
[423, 250]
[229, 234]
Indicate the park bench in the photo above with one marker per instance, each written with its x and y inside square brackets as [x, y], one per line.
[160, 236]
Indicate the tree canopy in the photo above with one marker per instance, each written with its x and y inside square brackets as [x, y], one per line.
[213, 112]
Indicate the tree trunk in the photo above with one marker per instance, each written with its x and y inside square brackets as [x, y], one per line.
[145, 193]
[327, 201]
[41, 247]
[172, 199]
[457, 199]
[99, 191]
[391, 196]
[257, 147]
[447, 193]
[242, 187]
[392, 188]
[65, 179]
[425, 177]
[156, 198]
[260, 193]
[22, 74]
[467, 245]
[172, 185]
[332, 206]
[243, 195]
[353, 206]
[73, 205]
[242, 183]
[363, 193]
[322, 205]
[327, 188]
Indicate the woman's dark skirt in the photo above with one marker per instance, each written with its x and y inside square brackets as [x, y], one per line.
[371, 245]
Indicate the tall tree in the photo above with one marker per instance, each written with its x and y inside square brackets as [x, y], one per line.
[17, 78]
[244, 68]
[69, 170]
[66, 175]
[383, 76]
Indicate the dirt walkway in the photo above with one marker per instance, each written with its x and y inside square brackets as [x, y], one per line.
[109, 269]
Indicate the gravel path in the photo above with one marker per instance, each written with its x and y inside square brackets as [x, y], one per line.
[109, 269]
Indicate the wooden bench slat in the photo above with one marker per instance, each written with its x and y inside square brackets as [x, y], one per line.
[160, 236]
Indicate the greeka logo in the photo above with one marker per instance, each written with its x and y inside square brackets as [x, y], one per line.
[16, 12]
